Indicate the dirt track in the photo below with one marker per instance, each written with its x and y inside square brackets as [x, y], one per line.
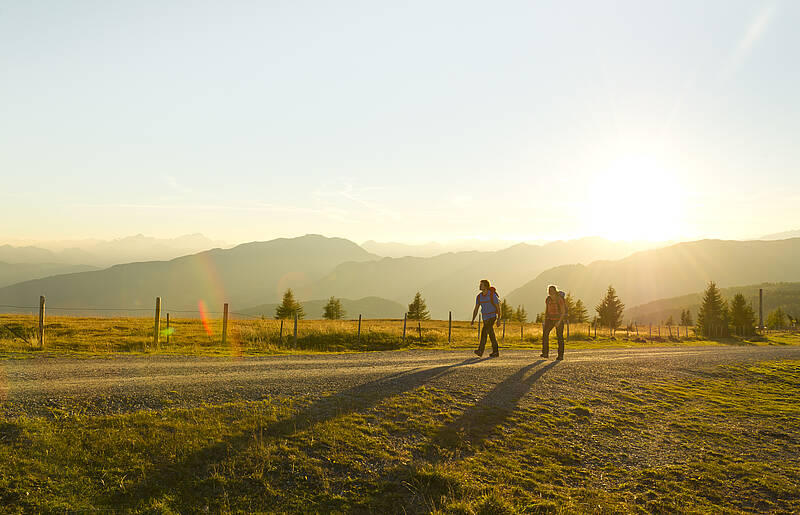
[111, 385]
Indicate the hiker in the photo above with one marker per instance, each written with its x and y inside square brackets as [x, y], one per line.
[555, 312]
[489, 302]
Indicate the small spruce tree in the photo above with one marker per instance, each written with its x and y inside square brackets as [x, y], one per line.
[669, 321]
[610, 309]
[333, 310]
[417, 310]
[686, 317]
[289, 307]
[712, 318]
[520, 315]
[506, 311]
[776, 319]
[743, 318]
[578, 314]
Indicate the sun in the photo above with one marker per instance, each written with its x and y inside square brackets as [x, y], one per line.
[635, 197]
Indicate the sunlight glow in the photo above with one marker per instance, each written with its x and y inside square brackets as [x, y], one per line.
[635, 197]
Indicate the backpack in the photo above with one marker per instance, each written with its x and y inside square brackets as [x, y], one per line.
[492, 293]
[563, 295]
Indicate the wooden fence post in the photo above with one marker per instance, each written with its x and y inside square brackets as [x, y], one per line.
[449, 326]
[419, 328]
[635, 326]
[504, 329]
[295, 330]
[224, 323]
[359, 327]
[41, 321]
[522, 331]
[405, 320]
[280, 334]
[669, 328]
[167, 328]
[157, 322]
[659, 329]
[567, 330]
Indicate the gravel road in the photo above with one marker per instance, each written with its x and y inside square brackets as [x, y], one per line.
[37, 386]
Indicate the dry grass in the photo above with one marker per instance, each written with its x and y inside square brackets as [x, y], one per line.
[264, 336]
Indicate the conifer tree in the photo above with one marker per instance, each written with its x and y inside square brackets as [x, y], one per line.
[686, 317]
[506, 311]
[743, 318]
[417, 310]
[712, 318]
[520, 315]
[610, 309]
[333, 310]
[776, 319]
[670, 321]
[578, 313]
[289, 307]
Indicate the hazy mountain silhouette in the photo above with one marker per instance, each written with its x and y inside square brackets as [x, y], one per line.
[450, 281]
[368, 307]
[246, 275]
[102, 253]
[11, 273]
[776, 295]
[781, 235]
[676, 270]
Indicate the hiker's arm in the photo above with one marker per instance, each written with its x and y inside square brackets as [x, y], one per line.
[474, 313]
[562, 308]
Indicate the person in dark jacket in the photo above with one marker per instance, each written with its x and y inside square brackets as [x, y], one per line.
[489, 303]
[555, 312]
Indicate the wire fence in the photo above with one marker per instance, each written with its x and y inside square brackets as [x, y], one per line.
[187, 330]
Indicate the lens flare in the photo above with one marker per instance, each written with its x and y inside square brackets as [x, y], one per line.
[201, 307]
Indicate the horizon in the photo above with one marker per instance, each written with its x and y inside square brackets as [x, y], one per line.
[400, 123]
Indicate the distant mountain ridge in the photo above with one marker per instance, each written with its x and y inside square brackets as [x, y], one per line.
[680, 269]
[100, 253]
[246, 275]
[11, 273]
[449, 282]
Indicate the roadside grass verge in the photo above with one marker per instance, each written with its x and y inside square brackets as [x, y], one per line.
[727, 441]
[100, 336]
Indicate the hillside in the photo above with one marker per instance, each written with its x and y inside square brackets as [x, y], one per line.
[11, 273]
[450, 281]
[368, 307]
[776, 295]
[680, 269]
[245, 275]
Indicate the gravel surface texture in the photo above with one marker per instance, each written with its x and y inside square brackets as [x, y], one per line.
[45, 385]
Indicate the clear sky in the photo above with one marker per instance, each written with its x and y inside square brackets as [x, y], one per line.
[406, 121]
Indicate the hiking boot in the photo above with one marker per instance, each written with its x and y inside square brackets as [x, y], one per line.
[478, 353]
[560, 358]
[494, 355]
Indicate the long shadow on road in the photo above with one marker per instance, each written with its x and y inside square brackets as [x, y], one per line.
[176, 480]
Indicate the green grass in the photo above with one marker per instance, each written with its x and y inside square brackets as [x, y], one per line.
[726, 443]
[99, 336]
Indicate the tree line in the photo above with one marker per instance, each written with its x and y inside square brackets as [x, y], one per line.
[716, 317]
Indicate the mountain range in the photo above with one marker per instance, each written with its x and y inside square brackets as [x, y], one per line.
[316, 267]
[680, 269]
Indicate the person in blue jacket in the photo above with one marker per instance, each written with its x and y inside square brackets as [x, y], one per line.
[489, 303]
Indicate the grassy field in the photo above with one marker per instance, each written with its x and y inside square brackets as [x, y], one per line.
[726, 442]
[255, 336]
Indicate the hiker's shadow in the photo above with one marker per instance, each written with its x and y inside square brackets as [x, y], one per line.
[478, 422]
[176, 480]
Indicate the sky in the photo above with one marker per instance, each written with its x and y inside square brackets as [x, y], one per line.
[399, 121]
